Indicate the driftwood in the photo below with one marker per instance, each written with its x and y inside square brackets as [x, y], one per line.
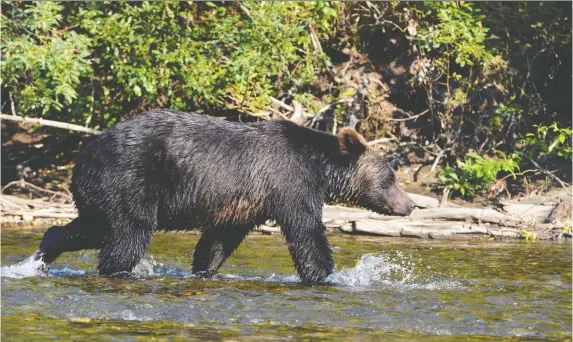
[421, 229]
[471, 214]
[268, 230]
[52, 204]
[530, 212]
[40, 214]
[36, 203]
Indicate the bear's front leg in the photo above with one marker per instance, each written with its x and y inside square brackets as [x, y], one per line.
[309, 249]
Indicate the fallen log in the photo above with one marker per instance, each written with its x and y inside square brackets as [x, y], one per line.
[468, 214]
[420, 229]
[529, 212]
[268, 230]
[34, 202]
[330, 212]
[6, 203]
[40, 214]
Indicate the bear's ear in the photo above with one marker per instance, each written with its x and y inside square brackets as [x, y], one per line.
[350, 142]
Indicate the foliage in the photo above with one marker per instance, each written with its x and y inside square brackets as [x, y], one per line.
[486, 82]
[477, 172]
[490, 75]
[528, 236]
[106, 58]
[456, 32]
[42, 67]
[548, 141]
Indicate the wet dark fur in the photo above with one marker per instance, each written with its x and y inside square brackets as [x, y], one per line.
[167, 170]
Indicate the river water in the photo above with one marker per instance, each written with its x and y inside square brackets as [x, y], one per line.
[383, 289]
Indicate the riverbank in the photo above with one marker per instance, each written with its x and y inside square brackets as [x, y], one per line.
[537, 210]
[541, 217]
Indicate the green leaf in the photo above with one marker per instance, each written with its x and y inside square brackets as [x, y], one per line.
[137, 90]
[552, 146]
[329, 12]
[348, 93]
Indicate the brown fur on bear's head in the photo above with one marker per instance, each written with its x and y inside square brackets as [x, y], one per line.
[374, 182]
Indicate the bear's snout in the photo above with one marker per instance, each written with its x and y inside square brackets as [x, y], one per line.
[399, 202]
[412, 205]
[404, 210]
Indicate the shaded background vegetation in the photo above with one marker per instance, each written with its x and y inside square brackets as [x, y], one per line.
[482, 88]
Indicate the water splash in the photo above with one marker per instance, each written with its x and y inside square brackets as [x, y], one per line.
[149, 267]
[145, 267]
[397, 271]
[29, 267]
[371, 270]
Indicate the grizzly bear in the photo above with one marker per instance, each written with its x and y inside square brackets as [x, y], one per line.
[168, 170]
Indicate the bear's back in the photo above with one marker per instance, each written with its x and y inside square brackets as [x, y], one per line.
[187, 159]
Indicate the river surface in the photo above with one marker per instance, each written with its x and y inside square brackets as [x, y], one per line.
[383, 289]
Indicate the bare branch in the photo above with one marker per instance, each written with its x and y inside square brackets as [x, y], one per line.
[380, 141]
[12, 106]
[562, 183]
[411, 117]
[281, 104]
[50, 123]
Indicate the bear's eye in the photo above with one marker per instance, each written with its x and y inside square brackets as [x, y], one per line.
[388, 181]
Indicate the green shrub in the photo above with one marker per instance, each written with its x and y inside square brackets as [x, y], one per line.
[457, 32]
[477, 172]
[42, 64]
[548, 141]
[73, 61]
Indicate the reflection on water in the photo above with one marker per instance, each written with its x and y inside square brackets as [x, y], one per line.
[391, 288]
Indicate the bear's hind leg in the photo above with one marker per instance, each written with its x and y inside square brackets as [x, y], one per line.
[215, 246]
[125, 245]
[75, 236]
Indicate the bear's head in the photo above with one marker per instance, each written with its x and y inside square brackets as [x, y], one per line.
[374, 183]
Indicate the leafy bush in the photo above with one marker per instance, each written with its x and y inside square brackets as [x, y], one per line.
[104, 59]
[548, 141]
[43, 67]
[456, 32]
[477, 172]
